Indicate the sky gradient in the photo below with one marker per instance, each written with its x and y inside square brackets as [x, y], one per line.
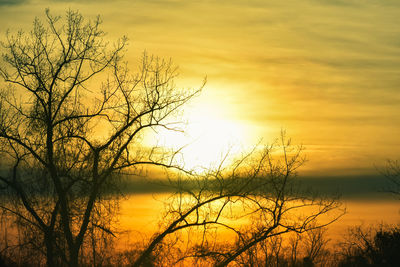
[327, 71]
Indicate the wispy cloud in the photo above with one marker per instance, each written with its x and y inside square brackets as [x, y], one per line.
[317, 67]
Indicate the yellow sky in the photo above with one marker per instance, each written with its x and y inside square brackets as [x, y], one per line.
[327, 71]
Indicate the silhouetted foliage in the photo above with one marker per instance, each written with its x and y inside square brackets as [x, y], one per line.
[372, 247]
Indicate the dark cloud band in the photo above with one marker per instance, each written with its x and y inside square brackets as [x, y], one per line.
[12, 2]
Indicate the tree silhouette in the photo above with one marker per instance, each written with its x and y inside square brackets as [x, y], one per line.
[65, 136]
[392, 175]
[377, 246]
[255, 198]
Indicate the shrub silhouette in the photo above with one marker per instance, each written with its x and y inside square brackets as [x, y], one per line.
[378, 249]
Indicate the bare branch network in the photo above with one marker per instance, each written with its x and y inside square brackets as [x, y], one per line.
[66, 134]
[73, 118]
[252, 200]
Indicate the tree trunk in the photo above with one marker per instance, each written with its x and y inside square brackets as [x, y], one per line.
[48, 239]
[74, 257]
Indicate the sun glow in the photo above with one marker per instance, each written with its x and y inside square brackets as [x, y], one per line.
[206, 139]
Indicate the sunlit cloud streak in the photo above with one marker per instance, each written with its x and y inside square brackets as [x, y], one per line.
[326, 70]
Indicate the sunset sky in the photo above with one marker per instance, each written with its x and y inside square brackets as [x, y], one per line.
[327, 71]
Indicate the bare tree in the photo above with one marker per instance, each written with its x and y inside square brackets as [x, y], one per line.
[315, 245]
[370, 246]
[392, 174]
[254, 198]
[65, 136]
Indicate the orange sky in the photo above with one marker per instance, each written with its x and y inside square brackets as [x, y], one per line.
[327, 71]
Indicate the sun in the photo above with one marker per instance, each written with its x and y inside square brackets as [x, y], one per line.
[206, 138]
